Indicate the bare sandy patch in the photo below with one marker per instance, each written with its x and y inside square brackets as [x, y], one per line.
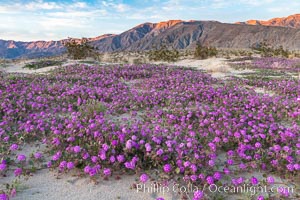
[217, 67]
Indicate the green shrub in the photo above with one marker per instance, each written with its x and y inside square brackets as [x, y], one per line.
[266, 50]
[204, 52]
[30, 66]
[137, 61]
[164, 54]
[3, 65]
[42, 64]
[80, 49]
[88, 62]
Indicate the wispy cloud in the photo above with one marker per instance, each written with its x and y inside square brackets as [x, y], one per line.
[11, 7]
[79, 5]
[256, 2]
[79, 14]
[118, 7]
[41, 5]
[216, 4]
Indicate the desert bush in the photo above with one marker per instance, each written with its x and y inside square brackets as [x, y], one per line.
[240, 59]
[138, 61]
[80, 49]
[88, 61]
[3, 65]
[164, 54]
[281, 52]
[227, 57]
[296, 54]
[266, 50]
[204, 52]
[42, 64]
[124, 60]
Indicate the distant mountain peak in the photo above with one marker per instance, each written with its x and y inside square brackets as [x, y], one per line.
[101, 37]
[292, 21]
[11, 45]
[167, 24]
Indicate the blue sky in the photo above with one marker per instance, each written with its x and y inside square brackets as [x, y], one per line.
[27, 20]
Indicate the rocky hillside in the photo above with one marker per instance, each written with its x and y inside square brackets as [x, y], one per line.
[174, 33]
[185, 35]
[14, 49]
[292, 21]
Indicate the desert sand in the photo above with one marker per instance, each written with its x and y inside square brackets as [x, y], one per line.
[217, 67]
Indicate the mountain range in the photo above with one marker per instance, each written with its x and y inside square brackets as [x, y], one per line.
[292, 21]
[176, 33]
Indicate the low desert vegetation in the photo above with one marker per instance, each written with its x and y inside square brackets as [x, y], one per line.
[241, 59]
[4, 63]
[270, 63]
[267, 50]
[89, 62]
[163, 53]
[43, 63]
[138, 61]
[235, 53]
[204, 52]
[80, 49]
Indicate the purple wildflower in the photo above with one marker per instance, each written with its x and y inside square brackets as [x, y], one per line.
[18, 171]
[21, 157]
[144, 178]
[167, 168]
[270, 180]
[253, 180]
[14, 147]
[198, 195]
[2, 167]
[76, 149]
[210, 180]
[70, 165]
[107, 172]
[4, 196]
[37, 155]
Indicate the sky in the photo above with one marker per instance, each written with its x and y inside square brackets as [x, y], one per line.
[32, 20]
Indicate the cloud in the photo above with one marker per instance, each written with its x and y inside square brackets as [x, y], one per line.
[216, 4]
[117, 7]
[79, 14]
[256, 2]
[4, 10]
[79, 5]
[41, 5]
[122, 7]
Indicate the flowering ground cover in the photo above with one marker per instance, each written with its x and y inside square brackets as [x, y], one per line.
[292, 65]
[138, 118]
[280, 75]
[284, 86]
[274, 63]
